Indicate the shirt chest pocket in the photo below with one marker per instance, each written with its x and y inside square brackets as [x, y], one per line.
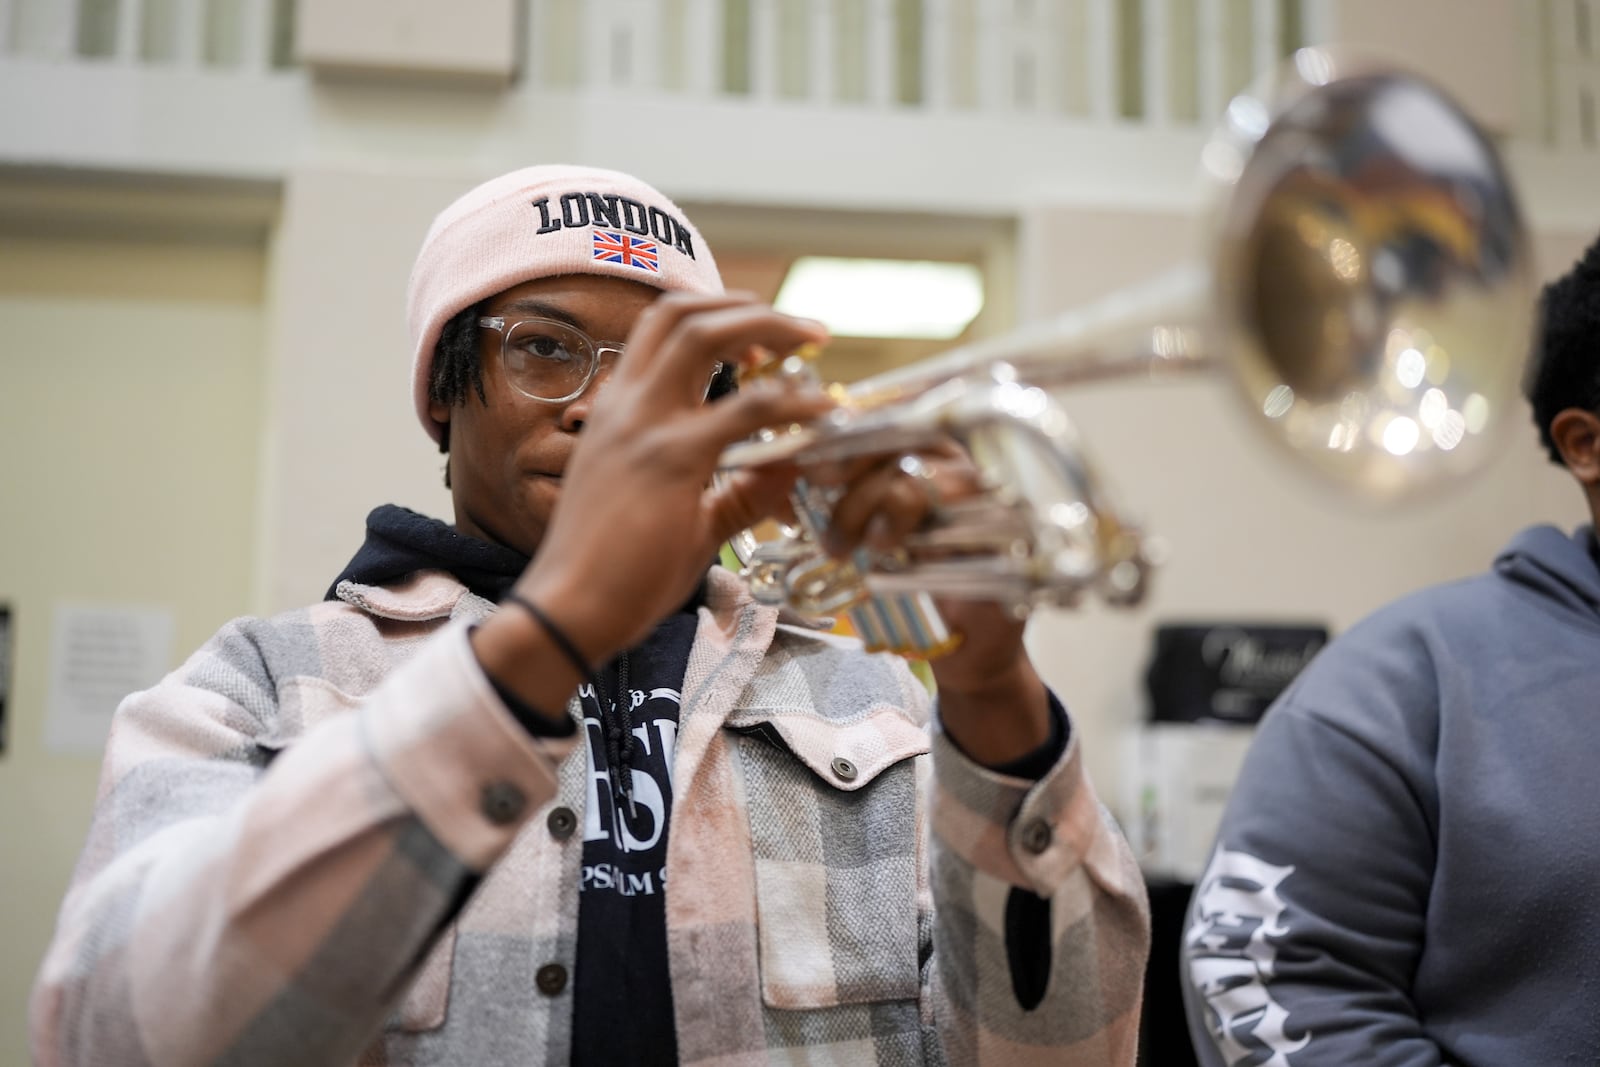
[834, 828]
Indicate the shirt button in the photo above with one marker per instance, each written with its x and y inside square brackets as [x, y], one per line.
[551, 979]
[502, 803]
[1036, 836]
[561, 823]
[844, 769]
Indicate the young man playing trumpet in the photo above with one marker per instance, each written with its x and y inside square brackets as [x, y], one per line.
[541, 788]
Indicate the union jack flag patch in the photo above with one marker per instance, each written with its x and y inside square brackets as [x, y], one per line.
[613, 247]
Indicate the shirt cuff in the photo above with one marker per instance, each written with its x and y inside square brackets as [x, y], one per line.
[1034, 765]
[448, 746]
[536, 722]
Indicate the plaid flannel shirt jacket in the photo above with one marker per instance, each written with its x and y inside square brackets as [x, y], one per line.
[286, 826]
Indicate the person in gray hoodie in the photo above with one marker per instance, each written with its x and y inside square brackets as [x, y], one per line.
[1406, 871]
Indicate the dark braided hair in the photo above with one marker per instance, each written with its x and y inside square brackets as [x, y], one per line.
[1563, 370]
[456, 367]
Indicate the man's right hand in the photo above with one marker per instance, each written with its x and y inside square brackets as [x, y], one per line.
[637, 522]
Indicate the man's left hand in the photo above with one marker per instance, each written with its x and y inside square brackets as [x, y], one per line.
[991, 700]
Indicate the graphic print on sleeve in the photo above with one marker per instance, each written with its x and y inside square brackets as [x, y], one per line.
[1237, 916]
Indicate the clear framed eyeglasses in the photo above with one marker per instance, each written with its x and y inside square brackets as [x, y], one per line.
[549, 360]
[554, 361]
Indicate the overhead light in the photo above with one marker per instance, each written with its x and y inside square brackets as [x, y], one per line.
[883, 297]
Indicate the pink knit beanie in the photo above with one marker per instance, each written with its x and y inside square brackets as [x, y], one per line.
[536, 223]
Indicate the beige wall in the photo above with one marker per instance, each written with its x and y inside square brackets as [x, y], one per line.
[1458, 59]
[1248, 537]
[129, 418]
[186, 369]
[341, 436]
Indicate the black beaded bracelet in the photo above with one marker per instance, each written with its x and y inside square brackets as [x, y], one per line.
[559, 636]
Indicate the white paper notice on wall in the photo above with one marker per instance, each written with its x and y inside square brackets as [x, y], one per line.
[99, 653]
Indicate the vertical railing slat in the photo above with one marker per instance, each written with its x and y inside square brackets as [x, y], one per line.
[1072, 48]
[647, 47]
[882, 62]
[1575, 116]
[255, 33]
[936, 73]
[130, 25]
[1040, 33]
[1585, 78]
[994, 88]
[1101, 50]
[1266, 24]
[597, 43]
[189, 27]
[63, 42]
[820, 51]
[1211, 62]
[1063, 62]
[702, 46]
[1058, 61]
[566, 49]
[533, 34]
[1552, 66]
[1533, 87]
[1316, 21]
[763, 58]
[1043, 33]
[1565, 119]
[1592, 66]
[1157, 51]
[1022, 59]
[536, 35]
[622, 44]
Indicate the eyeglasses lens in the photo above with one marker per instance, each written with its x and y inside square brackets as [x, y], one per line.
[547, 360]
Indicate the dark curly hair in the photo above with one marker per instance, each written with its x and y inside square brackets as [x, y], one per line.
[457, 369]
[1563, 369]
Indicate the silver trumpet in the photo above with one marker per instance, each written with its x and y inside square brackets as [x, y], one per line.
[1370, 293]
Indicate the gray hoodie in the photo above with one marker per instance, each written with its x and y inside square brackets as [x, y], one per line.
[1408, 870]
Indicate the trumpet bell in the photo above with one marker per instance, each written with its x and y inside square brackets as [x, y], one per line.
[1372, 280]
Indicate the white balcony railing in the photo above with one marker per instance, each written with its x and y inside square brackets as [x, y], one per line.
[125, 84]
[1104, 60]
[1562, 94]
[214, 35]
[1107, 60]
